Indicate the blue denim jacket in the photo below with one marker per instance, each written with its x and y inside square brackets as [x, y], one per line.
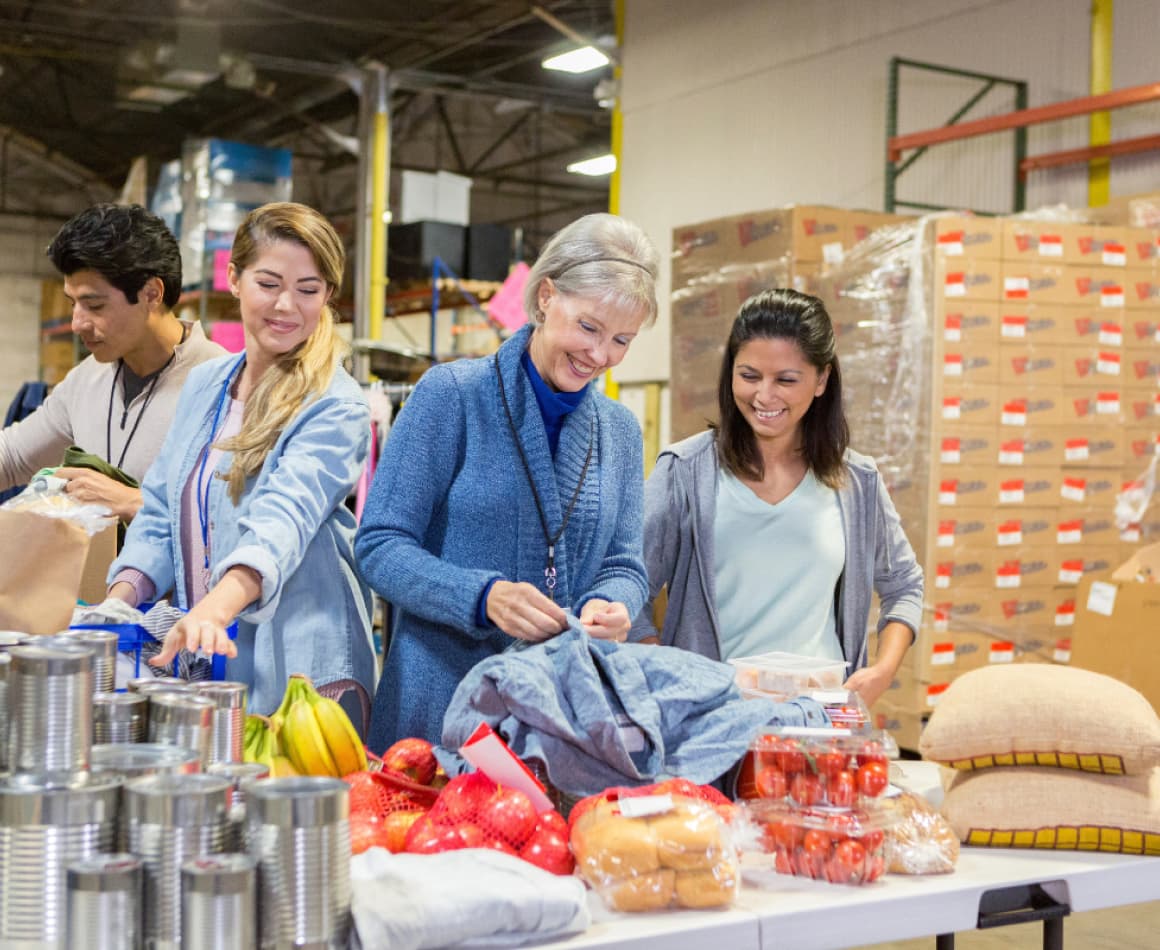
[291, 526]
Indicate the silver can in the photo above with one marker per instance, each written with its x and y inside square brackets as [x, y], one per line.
[13, 638]
[219, 896]
[181, 719]
[241, 775]
[298, 830]
[103, 899]
[119, 717]
[104, 645]
[42, 831]
[171, 819]
[130, 760]
[229, 718]
[50, 696]
[5, 661]
[143, 684]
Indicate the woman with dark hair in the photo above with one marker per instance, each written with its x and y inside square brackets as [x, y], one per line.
[769, 532]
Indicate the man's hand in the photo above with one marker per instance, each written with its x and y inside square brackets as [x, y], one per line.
[94, 488]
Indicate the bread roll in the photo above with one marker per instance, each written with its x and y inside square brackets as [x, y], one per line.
[688, 837]
[923, 842]
[614, 847]
[642, 892]
[715, 887]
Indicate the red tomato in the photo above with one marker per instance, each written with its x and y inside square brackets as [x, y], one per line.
[840, 789]
[872, 840]
[771, 783]
[782, 862]
[851, 855]
[548, 849]
[805, 789]
[816, 841]
[509, 813]
[802, 864]
[875, 867]
[789, 758]
[873, 778]
[830, 763]
[872, 752]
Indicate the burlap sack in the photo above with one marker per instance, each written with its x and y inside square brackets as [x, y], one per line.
[1038, 714]
[1056, 809]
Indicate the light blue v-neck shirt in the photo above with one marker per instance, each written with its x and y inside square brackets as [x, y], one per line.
[777, 569]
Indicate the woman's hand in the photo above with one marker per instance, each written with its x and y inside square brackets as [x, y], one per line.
[521, 611]
[870, 682]
[197, 630]
[605, 620]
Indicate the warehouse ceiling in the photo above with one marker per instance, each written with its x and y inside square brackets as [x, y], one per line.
[88, 86]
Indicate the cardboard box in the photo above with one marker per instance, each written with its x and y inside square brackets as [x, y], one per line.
[968, 363]
[1117, 616]
[960, 445]
[1070, 565]
[1141, 369]
[1142, 407]
[1089, 446]
[967, 237]
[1141, 443]
[1021, 405]
[1040, 365]
[966, 279]
[1035, 447]
[1053, 241]
[955, 488]
[1103, 287]
[1090, 525]
[905, 725]
[957, 570]
[1143, 289]
[1099, 403]
[1018, 527]
[1022, 567]
[1141, 329]
[1083, 365]
[864, 223]
[1093, 489]
[102, 552]
[1060, 324]
[1021, 487]
[961, 530]
[969, 403]
[962, 321]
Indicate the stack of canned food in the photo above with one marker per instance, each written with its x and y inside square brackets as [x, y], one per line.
[129, 820]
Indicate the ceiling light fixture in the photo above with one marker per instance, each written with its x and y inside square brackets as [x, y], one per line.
[600, 165]
[584, 59]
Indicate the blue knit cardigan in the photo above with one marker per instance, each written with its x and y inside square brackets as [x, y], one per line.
[450, 510]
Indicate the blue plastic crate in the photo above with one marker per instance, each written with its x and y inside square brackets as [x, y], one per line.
[132, 636]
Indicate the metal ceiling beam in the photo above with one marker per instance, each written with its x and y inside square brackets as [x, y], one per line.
[495, 145]
[39, 154]
[445, 122]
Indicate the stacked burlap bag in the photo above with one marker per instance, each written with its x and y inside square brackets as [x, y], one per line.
[1048, 757]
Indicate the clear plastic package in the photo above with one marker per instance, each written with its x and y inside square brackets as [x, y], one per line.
[921, 841]
[651, 852]
[837, 768]
[842, 846]
[784, 676]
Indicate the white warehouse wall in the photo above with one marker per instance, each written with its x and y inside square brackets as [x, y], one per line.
[749, 104]
[22, 267]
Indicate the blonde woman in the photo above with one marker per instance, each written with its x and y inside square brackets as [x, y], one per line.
[243, 514]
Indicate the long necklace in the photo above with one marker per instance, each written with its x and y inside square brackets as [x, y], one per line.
[549, 538]
[203, 483]
[125, 413]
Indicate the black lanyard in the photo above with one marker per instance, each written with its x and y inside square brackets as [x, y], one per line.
[124, 415]
[549, 538]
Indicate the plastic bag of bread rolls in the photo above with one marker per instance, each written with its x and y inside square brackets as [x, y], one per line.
[644, 852]
[922, 842]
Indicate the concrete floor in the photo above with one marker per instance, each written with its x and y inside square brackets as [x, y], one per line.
[1136, 927]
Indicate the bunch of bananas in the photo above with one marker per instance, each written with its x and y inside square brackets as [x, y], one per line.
[260, 744]
[315, 733]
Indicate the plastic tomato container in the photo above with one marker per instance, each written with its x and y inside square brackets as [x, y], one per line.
[782, 676]
[842, 846]
[807, 768]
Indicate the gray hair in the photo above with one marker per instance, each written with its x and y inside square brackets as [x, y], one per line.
[599, 257]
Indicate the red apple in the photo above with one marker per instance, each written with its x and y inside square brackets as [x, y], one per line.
[548, 849]
[413, 758]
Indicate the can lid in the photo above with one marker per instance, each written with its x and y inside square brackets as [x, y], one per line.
[239, 773]
[136, 759]
[300, 802]
[219, 874]
[12, 638]
[141, 684]
[176, 800]
[224, 693]
[105, 872]
[91, 799]
[51, 660]
[187, 708]
[107, 640]
[119, 705]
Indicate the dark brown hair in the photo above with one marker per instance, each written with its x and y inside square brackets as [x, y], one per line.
[786, 315]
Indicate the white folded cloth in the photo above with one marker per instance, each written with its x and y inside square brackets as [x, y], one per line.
[472, 898]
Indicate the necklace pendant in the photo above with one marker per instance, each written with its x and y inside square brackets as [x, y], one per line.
[550, 581]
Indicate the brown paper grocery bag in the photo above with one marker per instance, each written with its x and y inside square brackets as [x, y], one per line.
[41, 560]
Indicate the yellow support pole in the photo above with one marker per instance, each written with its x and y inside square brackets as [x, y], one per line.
[611, 386]
[380, 178]
[1100, 123]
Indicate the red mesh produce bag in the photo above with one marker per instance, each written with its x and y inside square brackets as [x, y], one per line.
[473, 812]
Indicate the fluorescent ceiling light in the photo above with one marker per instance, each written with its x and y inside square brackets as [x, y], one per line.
[581, 60]
[600, 165]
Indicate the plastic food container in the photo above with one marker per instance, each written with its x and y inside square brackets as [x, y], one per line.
[834, 768]
[842, 846]
[783, 676]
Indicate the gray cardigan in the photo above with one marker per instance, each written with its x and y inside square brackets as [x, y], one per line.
[680, 504]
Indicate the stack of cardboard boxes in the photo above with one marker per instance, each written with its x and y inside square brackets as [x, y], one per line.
[717, 265]
[1045, 368]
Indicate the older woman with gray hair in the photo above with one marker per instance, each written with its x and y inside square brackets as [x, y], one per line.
[509, 494]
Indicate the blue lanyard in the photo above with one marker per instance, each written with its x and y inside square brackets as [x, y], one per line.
[203, 484]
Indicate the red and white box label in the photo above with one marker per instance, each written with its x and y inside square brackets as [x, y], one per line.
[951, 243]
[952, 407]
[1069, 532]
[1114, 255]
[934, 693]
[1013, 327]
[953, 364]
[943, 574]
[1112, 296]
[1011, 492]
[1107, 404]
[1111, 334]
[1050, 245]
[1014, 413]
[942, 619]
[946, 534]
[1016, 288]
[1071, 572]
[1131, 534]
[1011, 453]
[948, 491]
[1065, 614]
[1010, 532]
[942, 654]
[1009, 575]
[1062, 651]
[1073, 489]
[1108, 364]
[1076, 450]
[955, 285]
[950, 452]
[1002, 651]
[953, 328]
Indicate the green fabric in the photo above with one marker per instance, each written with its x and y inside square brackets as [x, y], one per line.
[76, 457]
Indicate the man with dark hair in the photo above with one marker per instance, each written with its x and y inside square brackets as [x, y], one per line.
[122, 272]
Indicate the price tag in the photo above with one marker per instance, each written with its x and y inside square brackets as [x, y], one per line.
[645, 805]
